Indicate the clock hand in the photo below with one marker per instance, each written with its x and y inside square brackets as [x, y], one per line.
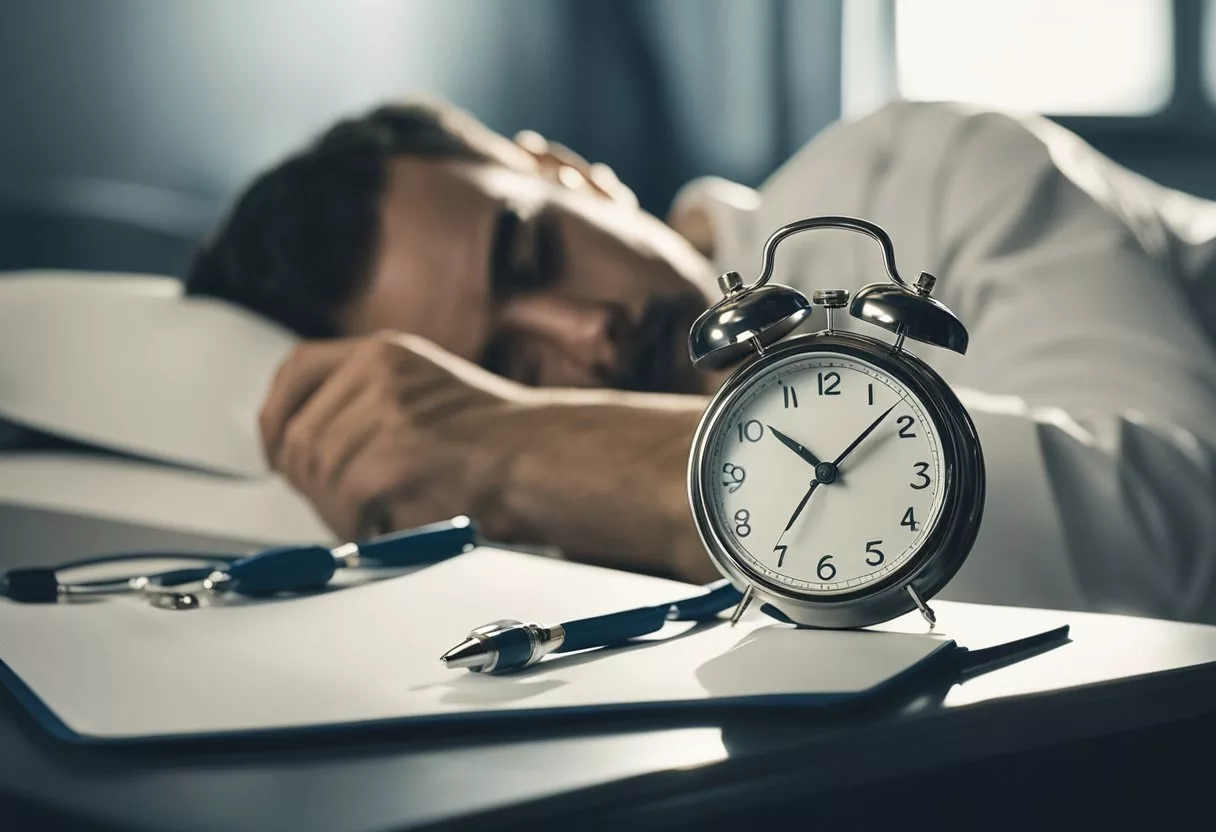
[864, 434]
[830, 468]
[801, 505]
[806, 498]
[793, 446]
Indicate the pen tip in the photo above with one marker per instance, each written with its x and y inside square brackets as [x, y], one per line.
[470, 653]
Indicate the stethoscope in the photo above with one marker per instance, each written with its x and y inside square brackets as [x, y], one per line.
[289, 570]
[284, 569]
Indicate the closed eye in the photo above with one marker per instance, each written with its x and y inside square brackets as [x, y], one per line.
[526, 254]
[509, 357]
[502, 251]
[550, 250]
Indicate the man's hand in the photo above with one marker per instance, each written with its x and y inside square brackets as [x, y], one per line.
[387, 432]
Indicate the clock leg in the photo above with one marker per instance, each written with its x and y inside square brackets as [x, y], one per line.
[744, 603]
[925, 610]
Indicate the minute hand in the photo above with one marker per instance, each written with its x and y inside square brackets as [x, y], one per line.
[864, 434]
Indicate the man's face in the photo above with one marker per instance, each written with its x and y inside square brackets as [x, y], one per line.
[532, 275]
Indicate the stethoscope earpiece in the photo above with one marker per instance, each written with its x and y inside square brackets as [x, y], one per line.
[35, 585]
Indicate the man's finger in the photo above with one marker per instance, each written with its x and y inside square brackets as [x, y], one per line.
[605, 178]
[371, 473]
[568, 157]
[301, 374]
[382, 466]
[344, 436]
[298, 446]
[587, 174]
[563, 164]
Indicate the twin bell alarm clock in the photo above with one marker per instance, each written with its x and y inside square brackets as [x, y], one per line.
[834, 476]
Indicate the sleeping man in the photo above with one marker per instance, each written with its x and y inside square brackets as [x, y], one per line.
[494, 327]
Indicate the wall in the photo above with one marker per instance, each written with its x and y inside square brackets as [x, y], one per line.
[129, 124]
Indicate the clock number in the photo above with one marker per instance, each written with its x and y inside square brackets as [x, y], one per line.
[789, 395]
[780, 550]
[742, 516]
[733, 477]
[752, 431]
[921, 468]
[909, 520]
[828, 382]
[825, 570]
[872, 549]
[870, 392]
[905, 427]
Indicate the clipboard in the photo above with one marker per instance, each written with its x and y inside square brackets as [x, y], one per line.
[121, 671]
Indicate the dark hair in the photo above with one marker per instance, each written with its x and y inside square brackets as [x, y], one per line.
[299, 241]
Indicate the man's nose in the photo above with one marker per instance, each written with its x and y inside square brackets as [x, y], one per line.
[589, 333]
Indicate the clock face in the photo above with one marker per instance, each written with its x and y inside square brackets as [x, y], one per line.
[825, 474]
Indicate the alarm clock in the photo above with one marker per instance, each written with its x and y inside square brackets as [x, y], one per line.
[834, 476]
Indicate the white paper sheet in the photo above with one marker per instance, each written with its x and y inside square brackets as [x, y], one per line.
[120, 669]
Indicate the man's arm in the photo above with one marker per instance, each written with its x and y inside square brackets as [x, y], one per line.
[602, 476]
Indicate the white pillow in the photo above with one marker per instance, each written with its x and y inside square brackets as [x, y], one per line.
[127, 362]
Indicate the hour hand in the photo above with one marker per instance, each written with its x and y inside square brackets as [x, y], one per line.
[793, 446]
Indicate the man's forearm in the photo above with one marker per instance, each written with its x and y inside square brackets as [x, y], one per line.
[602, 476]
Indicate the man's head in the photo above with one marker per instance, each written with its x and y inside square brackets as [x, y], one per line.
[516, 255]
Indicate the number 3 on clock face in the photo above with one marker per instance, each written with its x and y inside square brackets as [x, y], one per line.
[827, 474]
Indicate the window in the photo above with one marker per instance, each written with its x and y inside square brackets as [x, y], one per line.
[1061, 57]
[1207, 39]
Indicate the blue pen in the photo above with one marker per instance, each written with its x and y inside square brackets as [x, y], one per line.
[511, 645]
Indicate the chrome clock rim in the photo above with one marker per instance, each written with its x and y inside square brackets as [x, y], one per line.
[943, 550]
